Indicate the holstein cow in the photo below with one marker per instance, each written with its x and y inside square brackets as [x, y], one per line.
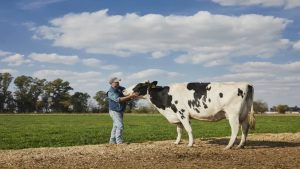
[202, 101]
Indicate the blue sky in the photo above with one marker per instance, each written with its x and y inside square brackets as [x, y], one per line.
[171, 41]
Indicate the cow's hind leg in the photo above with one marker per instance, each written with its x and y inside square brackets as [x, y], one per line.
[245, 129]
[234, 124]
[179, 132]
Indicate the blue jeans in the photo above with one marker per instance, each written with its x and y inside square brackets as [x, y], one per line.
[116, 136]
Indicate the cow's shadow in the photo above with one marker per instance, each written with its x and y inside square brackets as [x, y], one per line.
[253, 144]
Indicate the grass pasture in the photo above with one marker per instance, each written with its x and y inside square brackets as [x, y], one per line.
[55, 130]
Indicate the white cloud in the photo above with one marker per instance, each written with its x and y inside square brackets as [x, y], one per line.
[93, 62]
[54, 58]
[15, 60]
[241, 77]
[211, 59]
[197, 37]
[296, 45]
[267, 67]
[35, 4]
[109, 67]
[145, 74]
[262, 72]
[4, 53]
[159, 54]
[30, 25]
[11, 71]
[44, 32]
[276, 83]
[80, 81]
[266, 3]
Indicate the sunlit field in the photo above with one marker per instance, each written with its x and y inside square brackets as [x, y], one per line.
[25, 131]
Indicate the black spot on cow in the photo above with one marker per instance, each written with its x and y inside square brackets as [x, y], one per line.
[240, 93]
[200, 91]
[174, 108]
[182, 115]
[190, 103]
[176, 102]
[205, 106]
[197, 110]
[209, 100]
[194, 103]
[182, 110]
[221, 95]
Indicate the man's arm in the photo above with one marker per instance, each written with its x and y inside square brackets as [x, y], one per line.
[115, 98]
[127, 98]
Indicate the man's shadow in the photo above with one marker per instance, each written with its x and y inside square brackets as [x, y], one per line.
[253, 144]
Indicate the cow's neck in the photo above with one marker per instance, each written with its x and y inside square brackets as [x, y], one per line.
[160, 97]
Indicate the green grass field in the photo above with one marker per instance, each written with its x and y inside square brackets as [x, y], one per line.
[24, 131]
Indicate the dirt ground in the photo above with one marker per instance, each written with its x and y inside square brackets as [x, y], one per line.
[263, 151]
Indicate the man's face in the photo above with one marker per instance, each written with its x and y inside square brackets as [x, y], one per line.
[115, 84]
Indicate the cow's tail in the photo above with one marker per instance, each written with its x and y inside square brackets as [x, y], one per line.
[247, 108]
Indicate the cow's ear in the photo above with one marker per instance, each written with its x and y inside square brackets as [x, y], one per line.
[153, 84]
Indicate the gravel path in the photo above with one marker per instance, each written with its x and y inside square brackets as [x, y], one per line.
[263, 151]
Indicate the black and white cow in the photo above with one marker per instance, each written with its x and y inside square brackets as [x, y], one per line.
[202, 101]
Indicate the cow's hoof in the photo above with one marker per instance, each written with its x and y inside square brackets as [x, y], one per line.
[227, 148]
[240, 147]
[177, 142]
[190, 145]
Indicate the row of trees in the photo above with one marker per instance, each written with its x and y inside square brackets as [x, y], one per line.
[39, 95]
[260, 106]
[42, 96]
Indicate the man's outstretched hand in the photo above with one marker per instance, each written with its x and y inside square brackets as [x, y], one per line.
[134, 95]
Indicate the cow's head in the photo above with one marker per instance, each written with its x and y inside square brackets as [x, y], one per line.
[142, 88]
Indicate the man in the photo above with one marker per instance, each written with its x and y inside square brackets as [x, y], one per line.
[117, 104]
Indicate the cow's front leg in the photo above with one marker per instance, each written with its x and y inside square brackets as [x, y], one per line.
[187, 126]
[179, 131]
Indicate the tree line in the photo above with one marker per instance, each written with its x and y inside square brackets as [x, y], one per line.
[39, 95]
[260, 106]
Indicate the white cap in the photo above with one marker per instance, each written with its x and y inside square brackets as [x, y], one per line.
[114, 79]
